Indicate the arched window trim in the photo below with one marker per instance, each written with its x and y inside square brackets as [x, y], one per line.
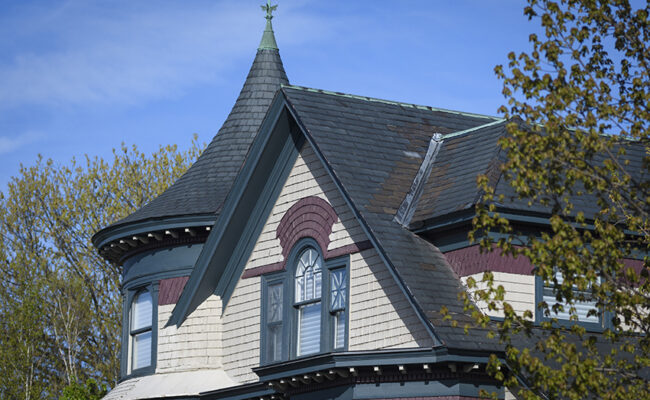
[290, 311]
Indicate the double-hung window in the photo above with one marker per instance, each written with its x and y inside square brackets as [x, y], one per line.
[305, 308]
[140, 330]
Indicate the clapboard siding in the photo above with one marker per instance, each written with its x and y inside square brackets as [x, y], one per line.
[519, 291]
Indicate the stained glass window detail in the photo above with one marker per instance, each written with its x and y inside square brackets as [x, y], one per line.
[274, 322]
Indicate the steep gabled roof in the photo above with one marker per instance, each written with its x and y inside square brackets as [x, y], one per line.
[374, 149]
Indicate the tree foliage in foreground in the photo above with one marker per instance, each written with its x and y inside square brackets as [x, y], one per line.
[60, 307]
[579, 102]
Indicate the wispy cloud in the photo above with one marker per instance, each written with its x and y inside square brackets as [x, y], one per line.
[128, 52]
[10, 144]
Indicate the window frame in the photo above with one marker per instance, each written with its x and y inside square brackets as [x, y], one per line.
[604, 318]
[127, 333]
[290, 306]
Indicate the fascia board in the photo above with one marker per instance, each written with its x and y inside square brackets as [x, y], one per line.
[200, 285]
[112, 233]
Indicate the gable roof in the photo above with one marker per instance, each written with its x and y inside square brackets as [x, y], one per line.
[375, 169]
[372, 149]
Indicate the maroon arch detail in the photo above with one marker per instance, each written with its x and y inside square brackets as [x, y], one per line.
[310, 217]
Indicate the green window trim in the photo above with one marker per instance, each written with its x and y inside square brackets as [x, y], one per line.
[544, 293]
[130, 334]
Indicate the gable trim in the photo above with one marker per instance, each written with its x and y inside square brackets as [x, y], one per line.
[364, 225]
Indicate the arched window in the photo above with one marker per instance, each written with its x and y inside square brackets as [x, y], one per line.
[305, 307]
[140, 330]
[307, 301]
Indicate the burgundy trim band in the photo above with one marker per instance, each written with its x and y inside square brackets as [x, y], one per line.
[170, 290]
[279, 266]
[470, 261]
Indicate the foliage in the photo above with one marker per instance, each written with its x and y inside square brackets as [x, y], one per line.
[60, 307]
[579, 112]
[88, 391]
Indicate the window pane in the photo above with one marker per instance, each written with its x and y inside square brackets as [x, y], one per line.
[274, 303]
[141, 311]
[274, 343]
[309, 329]
[339, 329]
[582, 307]
[308, 276]
[142, 350]
[338, 289]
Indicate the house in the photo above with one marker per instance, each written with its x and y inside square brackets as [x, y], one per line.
[309, 251]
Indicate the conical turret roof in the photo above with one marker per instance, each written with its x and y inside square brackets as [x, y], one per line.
[205, 185]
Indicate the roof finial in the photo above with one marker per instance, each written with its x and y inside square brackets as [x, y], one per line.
[268, 38]
[269, 9]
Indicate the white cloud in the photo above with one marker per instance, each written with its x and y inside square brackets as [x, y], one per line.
[82, 53]
[10, 144]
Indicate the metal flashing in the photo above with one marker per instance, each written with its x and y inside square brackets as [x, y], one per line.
[390, 102]
[409, 204]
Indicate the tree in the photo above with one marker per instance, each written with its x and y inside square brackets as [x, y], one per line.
[60, 307]
[579, 112]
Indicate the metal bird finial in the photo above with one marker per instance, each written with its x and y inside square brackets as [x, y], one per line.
[269, 9]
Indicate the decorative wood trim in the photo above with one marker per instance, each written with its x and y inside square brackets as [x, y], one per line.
[309, 217]
[279, 266]
[349, 249]
[264, 269]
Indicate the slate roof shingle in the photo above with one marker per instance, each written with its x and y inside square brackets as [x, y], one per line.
[205, 185]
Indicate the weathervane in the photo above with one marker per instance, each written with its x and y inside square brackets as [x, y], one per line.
[269, 9]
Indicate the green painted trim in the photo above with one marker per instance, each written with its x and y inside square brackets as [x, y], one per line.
[289, 315]
[246, 391]
[604, 319]
[476, 128]
[395, 103]
[235, 214]
[128, 296]
[364, 225]
[115, 232]
[319, 362]
[280, 168]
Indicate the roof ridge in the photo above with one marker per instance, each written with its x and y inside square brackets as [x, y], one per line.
[391, 102]
[476, 128]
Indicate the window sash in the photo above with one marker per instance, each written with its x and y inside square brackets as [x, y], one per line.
[141, 354]
[309, 329]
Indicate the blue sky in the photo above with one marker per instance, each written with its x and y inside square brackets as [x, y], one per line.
[80, 77]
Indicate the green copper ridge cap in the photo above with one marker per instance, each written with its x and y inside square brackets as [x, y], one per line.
[268, 38]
